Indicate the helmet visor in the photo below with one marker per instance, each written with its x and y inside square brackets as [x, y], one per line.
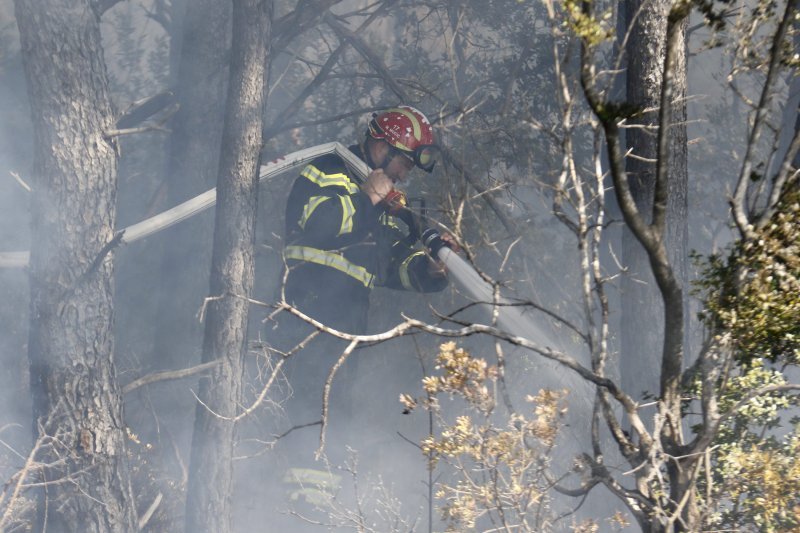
[425, 156]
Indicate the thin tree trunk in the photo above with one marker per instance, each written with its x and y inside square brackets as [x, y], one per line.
[208, 506]
[642, 307]
[76, 397]
[193, 159]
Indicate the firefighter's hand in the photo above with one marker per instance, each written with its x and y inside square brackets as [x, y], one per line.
[377, 186]
[451, 242]
[435, 241]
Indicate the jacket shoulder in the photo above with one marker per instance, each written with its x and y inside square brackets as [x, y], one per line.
[330, 164]
[329, 172]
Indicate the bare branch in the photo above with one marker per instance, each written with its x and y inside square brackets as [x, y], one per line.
[385, 74]
[22, 183]
[785, 174]
[327, 391]
[150, 510]
[168, 375]
[738, 203]
[375, 62]
[142, 109]
[157, 126]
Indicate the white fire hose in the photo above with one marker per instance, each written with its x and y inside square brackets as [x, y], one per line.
[207, 199]
[510, 317]
[458, 269]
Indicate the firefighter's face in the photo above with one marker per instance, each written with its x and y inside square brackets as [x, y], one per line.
[396, 164]
[399, 166]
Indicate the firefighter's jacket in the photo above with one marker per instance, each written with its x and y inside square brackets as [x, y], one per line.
[339, 246]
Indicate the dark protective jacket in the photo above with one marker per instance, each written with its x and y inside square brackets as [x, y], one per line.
[339, 246]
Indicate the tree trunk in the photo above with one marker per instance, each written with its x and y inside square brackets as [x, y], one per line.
[193, 159]
[642, 307]
[208, 505]
[76, 398]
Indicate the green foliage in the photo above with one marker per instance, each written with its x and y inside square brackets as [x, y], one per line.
[752, 307]
[714, 12]
[753, 294]
[754, 479]
[591, 29]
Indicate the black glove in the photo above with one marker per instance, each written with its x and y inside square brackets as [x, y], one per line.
[433, 241]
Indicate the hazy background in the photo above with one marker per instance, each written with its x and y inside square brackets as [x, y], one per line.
[542, 265]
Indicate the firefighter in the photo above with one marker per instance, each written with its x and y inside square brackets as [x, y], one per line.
[340, 239]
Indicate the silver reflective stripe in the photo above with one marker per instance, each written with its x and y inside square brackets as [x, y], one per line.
[327, 180]
[309, 208]
[330, 259]
[348, 210]
[404, 279]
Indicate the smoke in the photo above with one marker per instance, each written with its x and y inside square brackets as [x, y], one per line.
[374, 462]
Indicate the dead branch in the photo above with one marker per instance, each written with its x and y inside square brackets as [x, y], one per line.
[156, 126]
[142, 109]
[276, 438]
[22, 183]
[150, 510]
[327, 391]
[168, 375]
[22, 475]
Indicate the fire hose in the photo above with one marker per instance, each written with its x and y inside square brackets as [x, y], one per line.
[466, 276]
[510, 316]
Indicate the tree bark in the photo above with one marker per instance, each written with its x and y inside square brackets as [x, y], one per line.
[76, 398]
[650, 362]
[642, 307]
[208, 506]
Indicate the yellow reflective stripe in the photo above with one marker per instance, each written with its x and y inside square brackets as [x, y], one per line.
[309, 208]
[315, 175]
[330, 259]
[390, 221]
[348, 210]
[404, 279]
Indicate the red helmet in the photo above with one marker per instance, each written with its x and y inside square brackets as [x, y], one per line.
[408, 131]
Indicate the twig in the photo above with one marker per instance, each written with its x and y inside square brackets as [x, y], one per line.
[201, 313]
[23, 474]
[150, 510]
[157, 126]
[276, 438]
[20, 181]
[327, 391]
[740, 214]
[131, 131]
